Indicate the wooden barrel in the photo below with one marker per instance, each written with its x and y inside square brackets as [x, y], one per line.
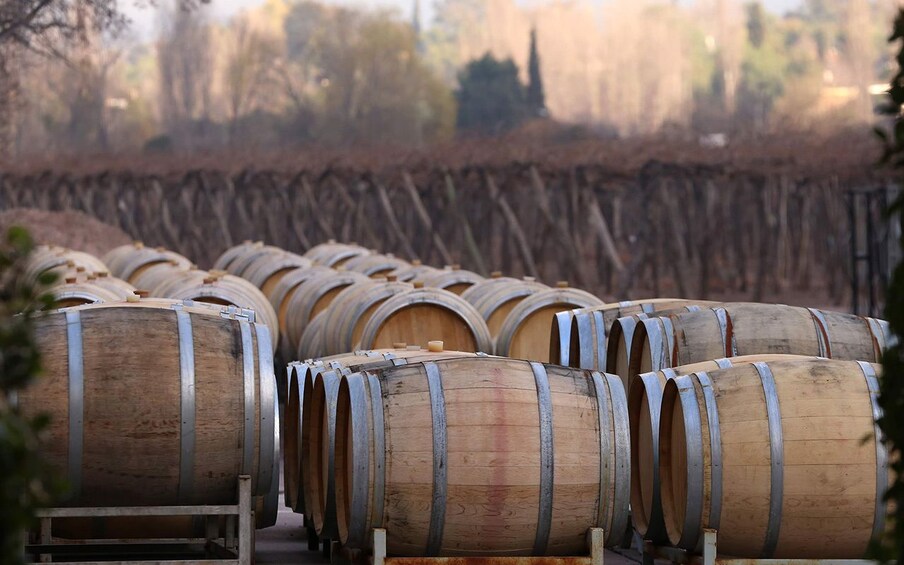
[621, 335]
[116, 257]
[741, 328]
[131, 387]
[178, 279]
[142, 259]
[227, 257]
[495, 298]
[301, 377]
[230, 290]
[524, 456]
[266, 272]
[452, 279]
[241, 265]
[62, 262]
[313, 297]
[332, 254]
[281, 294]
[73, 293]
[421, 315]
[525, 333]
[644, 401]
[375, 265]
[113, 284]
[789, 466]
[415, 271]
[158, 274]
[350, 311]
[580, 336]
[311, 343]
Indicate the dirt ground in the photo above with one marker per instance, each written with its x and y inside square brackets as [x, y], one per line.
[72, 229]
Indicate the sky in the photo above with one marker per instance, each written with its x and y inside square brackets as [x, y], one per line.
[144, 20]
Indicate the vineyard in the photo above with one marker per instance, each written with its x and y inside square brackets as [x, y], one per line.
[754, 225]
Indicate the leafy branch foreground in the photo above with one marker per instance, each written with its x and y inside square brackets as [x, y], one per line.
[25, 481]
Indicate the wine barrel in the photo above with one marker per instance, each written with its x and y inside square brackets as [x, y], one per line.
[452, 279]
[313, 297]
[157, 274]
[301, 377]
[61, 261]
[241, 265]
[73, 293]
[179, 279]
[227, 257]
[332, 254]
[644, 401]
[230, 290]
[621, 334]
[118, 286]
[415, 271]
[132, 266]
[421, 315]
[282, 293]
[579, 337]
[741, 328]
[350, 311]
[375, 265]
[783, 458]
[131, 387]
[116, 257]
[525, 333]
[311, 343]
[495, 298]
[528, 455]
[267, 271]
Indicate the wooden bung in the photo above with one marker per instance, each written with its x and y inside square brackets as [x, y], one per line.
[435, 346]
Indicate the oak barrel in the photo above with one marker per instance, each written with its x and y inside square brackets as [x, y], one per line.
[332, 254]
[113, 284]
[525, 333]
[350, 311]
[375, 265]
[313, 297]
[579, 337]
[483, 456]
[144, 413]
[421, 315]
[644, 401]
[229, 290]
[73, 293]
[230, 255]
[266, 272]
[133, 265]
[282, 293]
[415, 271]
[495, 298]
[452, 279]
[742, 328]
[783, 458]
[301, 386]
[60, 261]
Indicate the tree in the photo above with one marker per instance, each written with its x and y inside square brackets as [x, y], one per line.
[756, 24]
[25, 480]
[536, 100]
[891, 384]
[491, 100]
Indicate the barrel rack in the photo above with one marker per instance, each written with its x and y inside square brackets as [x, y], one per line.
[236, 548]
[595, 540]
[710, 556]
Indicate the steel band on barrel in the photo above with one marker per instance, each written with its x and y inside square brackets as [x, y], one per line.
[267, 402]
[872, 383]
[822, 332]
[187, 405]
[76, 399]
[438, 505]
[547, 458]
[248, 384]
[776, 457]
[693, 434]
[715, 449]
[603, 508]
[379, 439]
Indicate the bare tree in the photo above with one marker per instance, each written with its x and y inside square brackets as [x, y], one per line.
[185, 62]
[248, 68]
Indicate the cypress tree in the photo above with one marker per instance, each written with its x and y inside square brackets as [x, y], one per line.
[536, 100]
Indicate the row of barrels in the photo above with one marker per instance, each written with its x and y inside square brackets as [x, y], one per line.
[325, 305]
[455, 454]
[115, 443]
